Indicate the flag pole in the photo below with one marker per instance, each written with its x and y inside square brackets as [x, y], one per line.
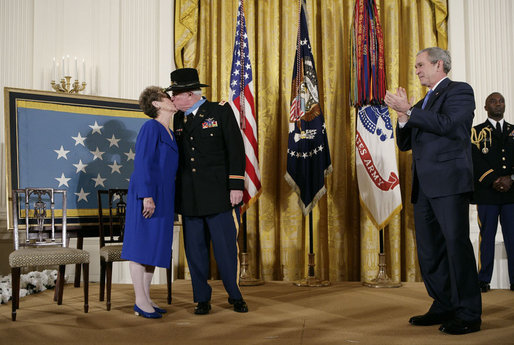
[382, 280]
[311, 280]
[245, 277]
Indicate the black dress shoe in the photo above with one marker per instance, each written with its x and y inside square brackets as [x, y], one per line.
[484, 286]
[202, 308]
[430, 319]
[239, 305]
[459, 326]
[511, 287]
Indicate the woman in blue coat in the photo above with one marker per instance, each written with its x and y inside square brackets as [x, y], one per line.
[150, 202]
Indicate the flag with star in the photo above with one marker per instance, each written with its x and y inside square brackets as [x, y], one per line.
[308, 155]
[242, 103]
[84, 150]
[375, 158]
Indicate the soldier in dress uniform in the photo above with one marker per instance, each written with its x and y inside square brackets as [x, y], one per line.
[210, 184]
[493, 165]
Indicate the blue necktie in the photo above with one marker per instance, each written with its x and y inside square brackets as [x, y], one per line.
[425, 101]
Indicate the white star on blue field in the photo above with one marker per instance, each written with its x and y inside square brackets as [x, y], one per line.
[77, 152]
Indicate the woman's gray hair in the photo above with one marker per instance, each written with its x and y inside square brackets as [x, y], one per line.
[435, 54]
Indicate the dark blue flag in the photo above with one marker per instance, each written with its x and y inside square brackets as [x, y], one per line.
[79, 149]
[308, 156]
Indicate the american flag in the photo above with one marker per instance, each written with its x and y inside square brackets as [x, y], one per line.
[79, 149]
[308, 156]
[242, 102]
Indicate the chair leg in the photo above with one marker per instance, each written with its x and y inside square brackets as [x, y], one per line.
[102, 279]
[168, 280]
[56, 289]
[15, 277]
[80, 245]
[85, 278]
[62, 270]
[108, 266]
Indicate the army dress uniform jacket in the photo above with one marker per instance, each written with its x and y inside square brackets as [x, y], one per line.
[493, 156]
[211, 159]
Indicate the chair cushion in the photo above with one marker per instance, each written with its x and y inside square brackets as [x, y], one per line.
[42, 256]
[111, 253]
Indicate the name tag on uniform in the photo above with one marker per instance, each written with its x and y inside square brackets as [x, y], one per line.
[209, 123]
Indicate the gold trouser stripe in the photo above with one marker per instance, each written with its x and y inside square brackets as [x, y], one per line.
[479, 240]
[485, 174]
[236, 224]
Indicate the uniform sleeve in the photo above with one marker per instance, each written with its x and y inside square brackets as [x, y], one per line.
[234, 148]
[146, 160]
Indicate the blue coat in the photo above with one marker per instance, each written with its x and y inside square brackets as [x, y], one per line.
[439, 137]
[149, 241]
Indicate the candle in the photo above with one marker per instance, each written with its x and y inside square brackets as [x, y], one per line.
[63, 72]
[53, 69]
[83, 71]
[76, 75]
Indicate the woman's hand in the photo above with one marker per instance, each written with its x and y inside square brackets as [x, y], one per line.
[148, 207]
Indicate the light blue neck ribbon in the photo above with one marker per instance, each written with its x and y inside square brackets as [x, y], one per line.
[195, 106]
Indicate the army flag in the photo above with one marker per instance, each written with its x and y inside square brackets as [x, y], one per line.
[376, 165]
[242, 103]
[308, 155]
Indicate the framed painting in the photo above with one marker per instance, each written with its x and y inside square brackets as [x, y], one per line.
[75, 142]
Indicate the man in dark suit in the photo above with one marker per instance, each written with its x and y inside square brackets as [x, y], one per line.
[210, 183]
[437, 130]
[493, 163]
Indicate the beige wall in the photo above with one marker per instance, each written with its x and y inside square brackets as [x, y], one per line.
[127, 45]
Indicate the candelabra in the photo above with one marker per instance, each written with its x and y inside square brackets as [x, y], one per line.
[67, 87]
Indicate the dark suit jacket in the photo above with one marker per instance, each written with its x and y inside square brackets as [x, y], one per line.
[439, 137]
[493, 156]
[211, 159]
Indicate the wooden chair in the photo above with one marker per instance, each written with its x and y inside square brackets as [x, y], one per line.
[111, 227]
[42, 246]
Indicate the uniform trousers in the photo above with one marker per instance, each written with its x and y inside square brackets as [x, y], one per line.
[222, 229]
[488, 222]
[445, 254]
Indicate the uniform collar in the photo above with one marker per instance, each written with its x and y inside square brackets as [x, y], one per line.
[493, 122]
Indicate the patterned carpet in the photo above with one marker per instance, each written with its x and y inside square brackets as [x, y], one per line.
[280, 313]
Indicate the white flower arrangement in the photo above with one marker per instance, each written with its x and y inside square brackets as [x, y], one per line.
[30, 283]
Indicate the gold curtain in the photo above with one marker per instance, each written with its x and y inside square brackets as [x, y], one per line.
[346, 243]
